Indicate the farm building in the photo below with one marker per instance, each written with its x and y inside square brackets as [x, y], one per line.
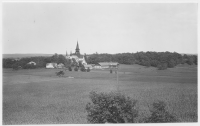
[97, 66]
[51, 65]
[32, 63]
[60, 65]
[109, 65]
[88, 66]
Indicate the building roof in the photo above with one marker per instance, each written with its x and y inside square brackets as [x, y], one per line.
[51, 64]
[74, 55]
[88, 65]
[108, 63]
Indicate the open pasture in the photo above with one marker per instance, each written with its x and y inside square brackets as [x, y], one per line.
[38, 96]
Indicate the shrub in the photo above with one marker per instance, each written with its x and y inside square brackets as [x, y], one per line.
[189, 61]
[15, 66]
[76, 69]
[83, 69]
[70, 68]
[159, 114]
[171, 63]
[162, 66]
[88, 69]
[111, 108]
[29, 66]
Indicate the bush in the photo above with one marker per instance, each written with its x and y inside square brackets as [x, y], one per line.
[171, 64]
[162, 66]
[29, 66]
[76, 69]
[88, 69]
[159, 114]
[15, 66]
[70, 68]
[83, 69]
[189, 61]
[111, 108]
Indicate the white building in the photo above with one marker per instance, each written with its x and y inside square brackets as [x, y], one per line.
[51, 65]
[32, 63]
[105, 65]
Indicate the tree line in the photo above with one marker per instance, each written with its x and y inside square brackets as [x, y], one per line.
[161, 60]
[40, 62]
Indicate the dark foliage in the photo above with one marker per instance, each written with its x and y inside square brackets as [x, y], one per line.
[159, 114]
[40, 61]
[111, 108]
[29, 66]
[74, 63]
[162, 66]
[70, 68]
[83, 68]
[60, 73]
[8, 63]
[75, 68]
[88, 69]
[16, 66]
[154, 59]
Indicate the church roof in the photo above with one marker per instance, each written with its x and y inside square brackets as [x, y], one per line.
[81, 56]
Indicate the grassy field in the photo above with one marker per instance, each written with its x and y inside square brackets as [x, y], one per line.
[39, 97]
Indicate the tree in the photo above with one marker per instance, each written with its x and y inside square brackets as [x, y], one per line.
[8, 63]
[54, 58]
[83, 68]
[70, 68]
[171, 63]
[85, 56]
[74, 63]
[190, 60]
[111, 108]
[76, 69]
[62, 59]
[88, 69]
[15, 66]
[162, 66]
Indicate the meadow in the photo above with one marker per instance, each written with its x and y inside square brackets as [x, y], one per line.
[38, 96]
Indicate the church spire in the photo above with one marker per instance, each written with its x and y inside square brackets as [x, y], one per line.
[77, 47]
[77, 51]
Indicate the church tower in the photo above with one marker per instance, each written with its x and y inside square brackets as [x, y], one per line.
[77, 51]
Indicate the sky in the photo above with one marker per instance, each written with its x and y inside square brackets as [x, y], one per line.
[50, 28]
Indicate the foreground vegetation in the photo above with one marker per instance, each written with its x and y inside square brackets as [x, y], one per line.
[38, 96]
[115, 107]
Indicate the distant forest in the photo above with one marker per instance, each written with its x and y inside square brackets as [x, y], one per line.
[161, 60]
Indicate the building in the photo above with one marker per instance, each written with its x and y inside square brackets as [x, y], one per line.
[77, 56]
[88, 66]
[33, 63]
[110, 65]
[60, 65]
[51, 65]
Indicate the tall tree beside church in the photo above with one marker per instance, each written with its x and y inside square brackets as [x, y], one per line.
[85, 56]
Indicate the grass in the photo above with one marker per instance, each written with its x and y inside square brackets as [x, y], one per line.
[39, 97]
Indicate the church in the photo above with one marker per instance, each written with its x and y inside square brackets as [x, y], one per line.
[77, 56]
